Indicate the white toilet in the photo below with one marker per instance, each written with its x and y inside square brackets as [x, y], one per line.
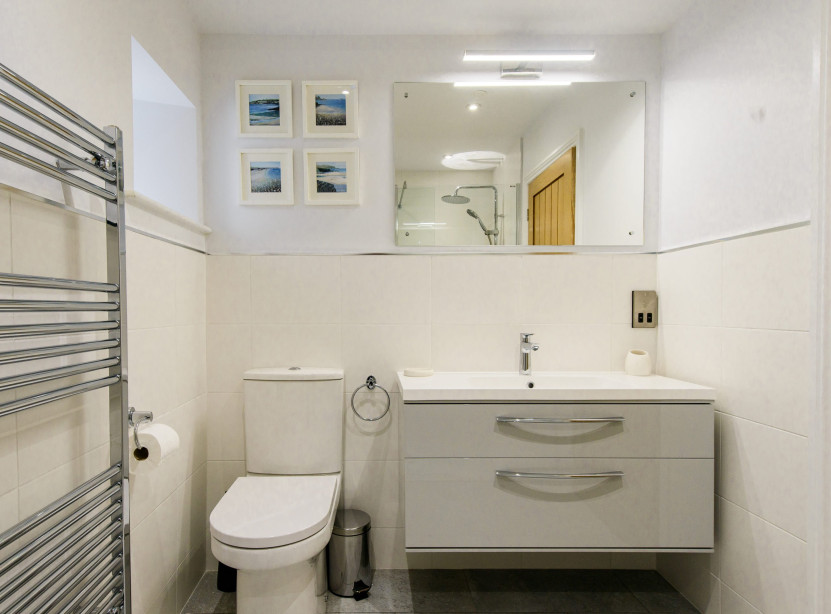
[273, 524]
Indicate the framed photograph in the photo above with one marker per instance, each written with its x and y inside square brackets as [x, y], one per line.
[267, 177]
[264, 108]
[330, 109]
[331, 176]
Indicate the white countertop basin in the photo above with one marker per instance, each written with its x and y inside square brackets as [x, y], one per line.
[449, 387]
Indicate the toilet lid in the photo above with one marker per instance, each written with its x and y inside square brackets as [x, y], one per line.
[271, 511]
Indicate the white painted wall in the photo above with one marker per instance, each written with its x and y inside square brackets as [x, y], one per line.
[376, 62]
[739, 118]
[165, 138]
[609, 124]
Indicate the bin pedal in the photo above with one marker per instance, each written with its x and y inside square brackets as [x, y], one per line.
[360, 590]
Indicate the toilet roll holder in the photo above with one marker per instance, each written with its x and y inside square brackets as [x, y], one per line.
[135, 419]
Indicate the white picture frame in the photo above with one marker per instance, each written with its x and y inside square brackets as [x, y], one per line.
[331, 176]
[258, 176]
[330, 109]
[261, 119]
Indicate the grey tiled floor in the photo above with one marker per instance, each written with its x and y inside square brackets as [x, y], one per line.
[462, 591]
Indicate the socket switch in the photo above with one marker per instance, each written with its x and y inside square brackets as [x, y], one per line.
[644, 309]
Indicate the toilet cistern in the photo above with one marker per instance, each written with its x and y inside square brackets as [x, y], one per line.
[525, 349]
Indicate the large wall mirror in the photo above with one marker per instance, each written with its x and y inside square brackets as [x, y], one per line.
[519, 165]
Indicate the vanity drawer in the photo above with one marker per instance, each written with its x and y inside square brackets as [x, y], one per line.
[460, 503]
[637, 430]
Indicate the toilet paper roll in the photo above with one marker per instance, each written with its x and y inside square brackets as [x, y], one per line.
[158, 441]
[638, 362]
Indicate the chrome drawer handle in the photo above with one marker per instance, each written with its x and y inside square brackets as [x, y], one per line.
[558, 476]
[510, 419]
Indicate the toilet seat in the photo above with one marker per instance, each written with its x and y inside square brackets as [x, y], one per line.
[261, 512]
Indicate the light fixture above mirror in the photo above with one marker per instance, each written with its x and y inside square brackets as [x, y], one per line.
[529, 56]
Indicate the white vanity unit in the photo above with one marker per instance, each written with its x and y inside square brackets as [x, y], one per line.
[578, 462]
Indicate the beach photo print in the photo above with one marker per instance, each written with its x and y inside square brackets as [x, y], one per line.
[330, 109]
[264, 108]
[331, 176]
[267, 177]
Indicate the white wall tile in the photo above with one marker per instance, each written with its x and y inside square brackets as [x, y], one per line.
[625, 338]
[226, 427]
[371, 441]
[296, 289]
[767, 280]
[5, 232]
[690, 286]
[373, 486]
[565, 289]
[302, 345]
[631, 272]
[154, 549]
[229, 356]
[474, 347]
[388, 548]
[767, 377]
[187, 577]
[381, 351]
[41, 491]
[54, 243]
[732, 603]
[385, 289]
[191, 367]
[190, 287]
[153, 367]
[754, 457]
[762, 563]
[8, 454]
[691, 353]
[9, 510]
[476, 289]
[229, 289]
[573, 347]
[151, 279]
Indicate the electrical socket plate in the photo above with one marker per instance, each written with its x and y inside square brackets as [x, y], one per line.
[644, 309]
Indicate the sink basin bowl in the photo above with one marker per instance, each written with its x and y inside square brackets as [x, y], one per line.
[548, 386]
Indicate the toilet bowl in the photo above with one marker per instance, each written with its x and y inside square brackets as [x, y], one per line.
[273, 524]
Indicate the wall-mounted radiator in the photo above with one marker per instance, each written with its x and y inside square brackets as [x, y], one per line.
[72, 556]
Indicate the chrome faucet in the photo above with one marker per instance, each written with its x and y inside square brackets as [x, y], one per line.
[525, 349]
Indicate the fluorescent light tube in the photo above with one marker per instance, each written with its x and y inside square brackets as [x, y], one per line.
[511, 83]
[528, 56]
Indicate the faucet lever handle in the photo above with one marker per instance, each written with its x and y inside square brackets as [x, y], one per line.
[525, 337]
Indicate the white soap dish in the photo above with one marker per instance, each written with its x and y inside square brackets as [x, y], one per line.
[418, 372]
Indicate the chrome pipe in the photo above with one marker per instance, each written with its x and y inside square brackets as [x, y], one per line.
[47, 375]
[43, 330]
[13, 407]
[60, 108]
[558, 476]
[22, 554]
[24, 159]
[54, 351]
[20, 107]
[54, 283]
[58, 152]
[53, 508]
[53, 596]
[90, 606]
[21, 305]
[15, 583]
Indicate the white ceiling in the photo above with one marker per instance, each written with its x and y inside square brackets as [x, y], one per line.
[435, 17]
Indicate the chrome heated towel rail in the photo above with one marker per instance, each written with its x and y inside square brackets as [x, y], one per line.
[72, 556]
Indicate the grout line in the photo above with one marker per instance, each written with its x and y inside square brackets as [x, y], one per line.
[770, 426]
[767, 522]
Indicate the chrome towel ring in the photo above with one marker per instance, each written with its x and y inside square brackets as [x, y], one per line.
[371, 384]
